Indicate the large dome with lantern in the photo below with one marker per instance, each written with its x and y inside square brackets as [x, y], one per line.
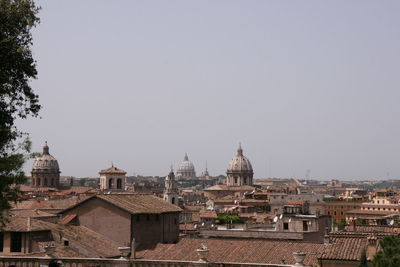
[240, 171]
[186, 169]
[45, 170]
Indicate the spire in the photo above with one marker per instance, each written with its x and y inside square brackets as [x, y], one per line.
[240, 150]
[46, 149]
[186, 158]
[206, 166]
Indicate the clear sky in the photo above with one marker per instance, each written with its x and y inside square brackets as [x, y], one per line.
[302, 84]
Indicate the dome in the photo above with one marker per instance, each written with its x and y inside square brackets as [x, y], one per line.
[186, 168]
[45, 161]
[240, 163]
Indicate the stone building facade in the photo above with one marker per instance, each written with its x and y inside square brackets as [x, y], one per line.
[45, 170]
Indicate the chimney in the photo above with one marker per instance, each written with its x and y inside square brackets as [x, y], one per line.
[203, 251]
[299, 258]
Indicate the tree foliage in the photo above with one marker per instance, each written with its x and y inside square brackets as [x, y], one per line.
[389, 255]
[17, 98]
[225, 218]
[363, 258]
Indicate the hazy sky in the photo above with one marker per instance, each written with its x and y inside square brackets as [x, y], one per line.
[302, 84]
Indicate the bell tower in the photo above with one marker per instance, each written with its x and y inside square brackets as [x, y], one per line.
[171, 192]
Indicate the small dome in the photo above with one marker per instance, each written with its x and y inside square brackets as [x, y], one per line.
[45, 161]
[240, 163]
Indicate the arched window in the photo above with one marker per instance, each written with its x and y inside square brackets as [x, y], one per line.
[245, 180]
[52, 181]
[235, 180]
[38, 182]
[173, 200]
[119, 184]
[110, 183]
[45, 182]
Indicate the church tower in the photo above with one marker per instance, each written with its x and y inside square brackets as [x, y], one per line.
[112, 179]
[171, 188]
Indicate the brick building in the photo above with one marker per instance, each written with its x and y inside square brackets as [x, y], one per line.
[122, 217]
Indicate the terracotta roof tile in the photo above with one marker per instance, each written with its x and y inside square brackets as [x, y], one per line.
[209, 214]
[140, 203]
[23, 224]
[345, 248]
[112, 170]
[232, 250]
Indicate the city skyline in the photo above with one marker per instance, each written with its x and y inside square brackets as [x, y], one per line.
[303, 86]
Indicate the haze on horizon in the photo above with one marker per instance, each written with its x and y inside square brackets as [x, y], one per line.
[304, 85]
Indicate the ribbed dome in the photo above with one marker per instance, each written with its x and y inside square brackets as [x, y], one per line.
[240, 163]
[45, 161]
[186, 168]
[186, 165]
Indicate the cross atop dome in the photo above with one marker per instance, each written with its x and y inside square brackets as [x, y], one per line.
[46, 149]
[240, 150]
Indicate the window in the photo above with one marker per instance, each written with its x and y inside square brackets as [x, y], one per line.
[138, 218]
[173, 200]
[334, 213]
[119, 184]
[16, 242]
[157, 217]
[45, 182]
[66, 242]
[235, 180]
[148, 217]
[285, 226]
[175, 221]
[341, 213]
[305, 226]
[110, 183]
[329, 213]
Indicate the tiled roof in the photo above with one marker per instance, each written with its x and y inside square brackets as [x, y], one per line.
[232, 250]
[52, 205]
[23, 224]
[112, 170]
[67, 219]
[28, 188]
[31, 213]
[345, 248]
[374, 229]
[224, 187]
[83, 240]
[209, 214]
[193, 208]
[140, 203]
[76, 190]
